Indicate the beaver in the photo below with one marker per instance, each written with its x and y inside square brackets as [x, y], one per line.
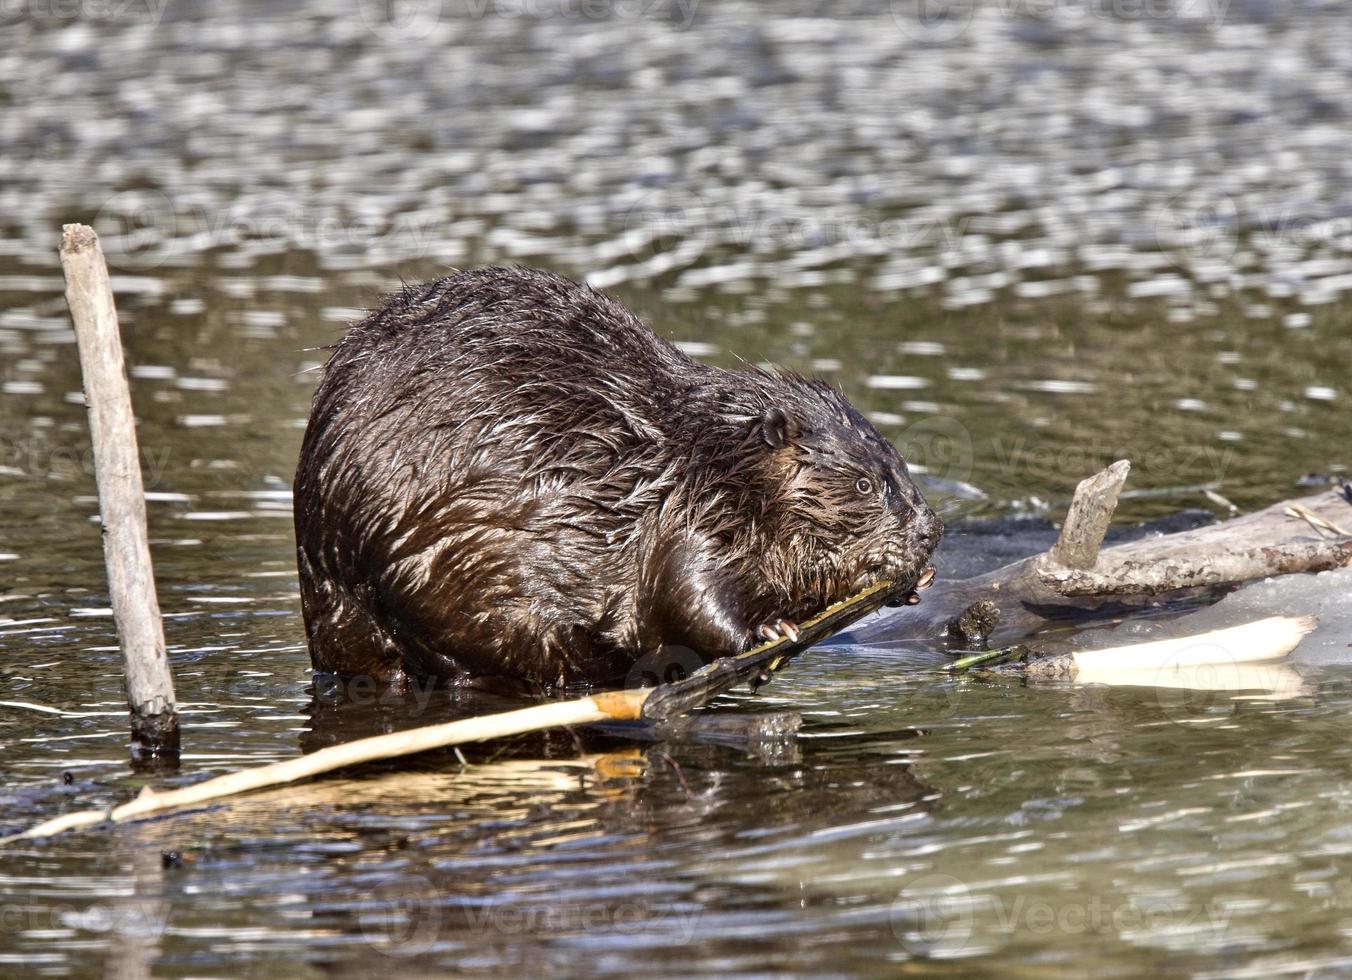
[506, 474]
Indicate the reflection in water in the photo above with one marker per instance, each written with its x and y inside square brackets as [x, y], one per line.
[438, 858]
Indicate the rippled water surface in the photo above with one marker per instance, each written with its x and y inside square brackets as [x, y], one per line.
[1026, 241]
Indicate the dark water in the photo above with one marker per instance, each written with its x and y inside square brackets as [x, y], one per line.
[1026, 244]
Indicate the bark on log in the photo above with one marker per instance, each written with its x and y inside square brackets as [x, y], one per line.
[122, 505]
[1033, 591]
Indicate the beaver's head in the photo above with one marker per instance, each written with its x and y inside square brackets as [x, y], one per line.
[843, 511]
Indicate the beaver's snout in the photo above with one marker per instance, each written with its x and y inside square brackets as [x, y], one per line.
[929, 528]
[921, 537]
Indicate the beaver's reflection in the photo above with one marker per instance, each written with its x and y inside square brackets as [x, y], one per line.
[591, 835]
[712, 760]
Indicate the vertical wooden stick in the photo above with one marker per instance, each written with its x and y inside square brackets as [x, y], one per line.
[1087, 520]
[117, 470]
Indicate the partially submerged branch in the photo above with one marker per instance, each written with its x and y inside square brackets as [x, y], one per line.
[610, 706]
[122, 505]
[1077, 581]
[657, 705]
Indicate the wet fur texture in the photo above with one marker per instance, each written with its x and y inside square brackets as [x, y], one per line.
[506, 474]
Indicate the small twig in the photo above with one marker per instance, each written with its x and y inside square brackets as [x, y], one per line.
[1320, 524]
[1220, 501]
[676, 767]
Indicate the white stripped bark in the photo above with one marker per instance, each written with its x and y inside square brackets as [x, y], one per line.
[122, 508]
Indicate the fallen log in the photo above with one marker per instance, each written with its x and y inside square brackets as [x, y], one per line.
[1076, 581]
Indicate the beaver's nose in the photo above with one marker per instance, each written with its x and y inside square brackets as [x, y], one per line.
[929, 528]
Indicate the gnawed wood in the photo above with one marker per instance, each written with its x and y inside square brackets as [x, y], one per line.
[1029, 593]
[1087, 520]
[1192, 659]
[610, 706]
[655, 705]
[1245, 658]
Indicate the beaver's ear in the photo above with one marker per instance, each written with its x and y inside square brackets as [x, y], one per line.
[777, 429]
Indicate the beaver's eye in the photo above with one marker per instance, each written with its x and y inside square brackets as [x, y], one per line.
[863, 485]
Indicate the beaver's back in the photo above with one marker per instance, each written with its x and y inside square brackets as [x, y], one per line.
[515, 337]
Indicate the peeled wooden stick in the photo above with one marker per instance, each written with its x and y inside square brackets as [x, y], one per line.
[1241, 658]
[1244, 657]
[1263, 639]
[122, 506]
[654, 704]
[612, 706]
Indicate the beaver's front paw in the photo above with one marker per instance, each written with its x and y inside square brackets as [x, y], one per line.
[779, 629]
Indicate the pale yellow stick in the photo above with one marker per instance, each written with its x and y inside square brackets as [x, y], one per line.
[611, 706]
[1263, 639]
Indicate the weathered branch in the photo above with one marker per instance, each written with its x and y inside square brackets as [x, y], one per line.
[611, 706]
[122, 505]
[1024, 595]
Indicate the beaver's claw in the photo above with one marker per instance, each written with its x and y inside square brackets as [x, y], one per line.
[778, 629]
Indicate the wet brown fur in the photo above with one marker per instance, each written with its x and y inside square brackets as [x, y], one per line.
[506, 474]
